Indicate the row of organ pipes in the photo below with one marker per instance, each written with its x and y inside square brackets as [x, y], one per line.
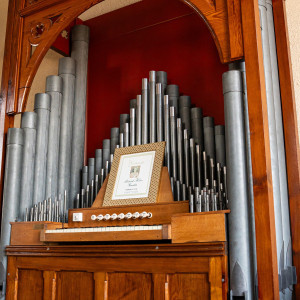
[204, 169]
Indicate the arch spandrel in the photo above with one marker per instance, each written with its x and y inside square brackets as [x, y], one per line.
[40, 31]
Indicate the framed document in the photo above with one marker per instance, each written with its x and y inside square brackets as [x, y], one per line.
[135, 175]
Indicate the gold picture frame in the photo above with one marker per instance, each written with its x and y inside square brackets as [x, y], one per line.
[135, 173]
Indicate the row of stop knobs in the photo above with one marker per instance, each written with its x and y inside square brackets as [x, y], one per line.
[122, 216]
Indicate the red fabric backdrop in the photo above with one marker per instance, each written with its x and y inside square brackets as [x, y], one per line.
[150, 35]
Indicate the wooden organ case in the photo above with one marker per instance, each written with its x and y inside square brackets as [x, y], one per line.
[188, 268]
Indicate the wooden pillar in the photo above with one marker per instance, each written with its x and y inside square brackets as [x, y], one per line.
[290, 127]
[268, 283]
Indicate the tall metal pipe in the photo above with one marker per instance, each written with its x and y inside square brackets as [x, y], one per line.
[132, 126]
[173, 143]
[159, 113]
[172, 91]
[91, 172]
[138, 127]
[124, 118]
[286, 230]
[197, 126]
[239, 245]
[132, 103]
[105, 151]
[185, 112]
[114, 139]
[272, 135]
[66, 70]
[209, 137]
[98, 162]
[220, 145]
[54, 89]
[241, 67]
[152, 110]
[28, 124]
[126, 135]
[162, 77]
[180, 151]
[145, 111]
[167, 132]
[42, 108]
[80, 46]
[84, 177]
[11, 194]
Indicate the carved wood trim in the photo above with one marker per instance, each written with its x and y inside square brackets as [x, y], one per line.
[37, 29]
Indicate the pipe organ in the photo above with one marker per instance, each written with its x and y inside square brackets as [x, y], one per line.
[208, 165]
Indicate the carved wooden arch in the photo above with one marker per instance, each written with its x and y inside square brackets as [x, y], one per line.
[41, 21]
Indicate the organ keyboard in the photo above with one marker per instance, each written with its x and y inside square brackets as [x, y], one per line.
[109, 233]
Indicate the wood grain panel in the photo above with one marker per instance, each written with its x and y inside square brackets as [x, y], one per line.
[49, 285]
[130, 286]
[159, 281]
[188, 286]
[75, 285]
[31, 285]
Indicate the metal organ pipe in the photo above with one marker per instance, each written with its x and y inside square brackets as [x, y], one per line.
[80, 45]
[145, 107]
[66, 70]
[28, 124]
[152, 115]
[11, 193]
[220, 145]
[272, 136]
[197, 126]
[54, 89]
[209, 137]
[42, 108]
[172, 91]
[239, 260]
[286, 230]
[185, 112]
[240, 66]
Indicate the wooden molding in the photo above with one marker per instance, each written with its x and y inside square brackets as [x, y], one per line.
[268, 284]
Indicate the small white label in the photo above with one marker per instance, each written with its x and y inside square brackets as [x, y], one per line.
[77, 217]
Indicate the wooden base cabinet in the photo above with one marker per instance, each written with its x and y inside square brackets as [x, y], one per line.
[127, 272]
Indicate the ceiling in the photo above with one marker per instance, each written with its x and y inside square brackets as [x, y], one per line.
[105, 7]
